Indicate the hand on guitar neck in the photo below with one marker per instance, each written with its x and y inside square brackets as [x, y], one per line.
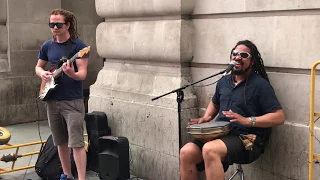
[68, 68]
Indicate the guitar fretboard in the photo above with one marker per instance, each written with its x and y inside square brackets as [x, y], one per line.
[59, 70]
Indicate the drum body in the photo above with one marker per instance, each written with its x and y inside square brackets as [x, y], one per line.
[209, 131]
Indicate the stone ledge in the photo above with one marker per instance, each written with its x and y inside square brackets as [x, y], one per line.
[207, 7]
[159, 41]
[124, 8]
[214, 39]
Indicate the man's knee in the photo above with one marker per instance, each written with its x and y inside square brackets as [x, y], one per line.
[189, 152]
[78, 149]
[214, 150]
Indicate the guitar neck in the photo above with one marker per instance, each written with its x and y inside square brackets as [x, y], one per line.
[59, 70]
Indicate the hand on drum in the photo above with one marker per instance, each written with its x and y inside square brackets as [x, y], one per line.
[235, 117]
[196, 121]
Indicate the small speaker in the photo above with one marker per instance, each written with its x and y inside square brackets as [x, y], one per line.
[97, 126]
[114, 158]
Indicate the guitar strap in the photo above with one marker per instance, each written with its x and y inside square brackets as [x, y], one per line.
[65, 56]
[67, 50]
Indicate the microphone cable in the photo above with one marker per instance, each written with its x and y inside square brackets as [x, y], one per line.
[38, 121]
[38, 115]
[39, 132]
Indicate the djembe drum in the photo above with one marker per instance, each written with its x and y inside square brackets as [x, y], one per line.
[209, 131]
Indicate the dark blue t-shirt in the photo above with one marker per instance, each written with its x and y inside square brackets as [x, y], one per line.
[68, 88]
[251, 97]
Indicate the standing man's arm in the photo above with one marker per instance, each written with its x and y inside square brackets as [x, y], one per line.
[82, 69]
[39, 69]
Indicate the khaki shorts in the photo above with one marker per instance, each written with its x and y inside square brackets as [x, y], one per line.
[66, 121]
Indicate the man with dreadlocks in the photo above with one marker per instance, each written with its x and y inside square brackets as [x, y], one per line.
[244, 98]
[65, 110]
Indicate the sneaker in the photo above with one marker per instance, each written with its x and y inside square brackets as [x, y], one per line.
[64, 177]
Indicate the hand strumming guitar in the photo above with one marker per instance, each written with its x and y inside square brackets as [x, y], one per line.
[46, 76]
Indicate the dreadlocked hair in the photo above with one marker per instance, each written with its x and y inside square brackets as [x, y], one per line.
[68, 18]
[258, 66]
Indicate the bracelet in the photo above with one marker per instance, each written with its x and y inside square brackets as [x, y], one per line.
[253, 121]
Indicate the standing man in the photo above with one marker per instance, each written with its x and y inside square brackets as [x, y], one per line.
[246, 100]
[65, 110]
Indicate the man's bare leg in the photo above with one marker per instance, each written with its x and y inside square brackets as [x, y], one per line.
[64, 154]
[80, 159]
[213, 153]
[190, 155]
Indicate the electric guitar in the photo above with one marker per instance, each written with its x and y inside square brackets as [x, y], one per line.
[47, 88]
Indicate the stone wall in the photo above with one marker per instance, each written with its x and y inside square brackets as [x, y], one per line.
[23, 29]
[153, 47]
[286, 36]
[148, 48]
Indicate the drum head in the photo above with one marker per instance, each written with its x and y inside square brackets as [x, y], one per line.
[210, 124]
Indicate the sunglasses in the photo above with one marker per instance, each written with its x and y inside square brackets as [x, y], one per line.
[242, 54]
[59, 25]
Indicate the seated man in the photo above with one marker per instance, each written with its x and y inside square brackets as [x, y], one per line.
[246, 99]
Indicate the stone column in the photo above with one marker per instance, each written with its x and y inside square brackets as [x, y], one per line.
[147, 46]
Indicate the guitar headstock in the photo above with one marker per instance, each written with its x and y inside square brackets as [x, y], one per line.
[84, 51]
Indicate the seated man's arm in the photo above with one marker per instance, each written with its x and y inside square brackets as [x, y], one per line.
[271, 109]
[273, 114]
[270, 119]
[211, 112]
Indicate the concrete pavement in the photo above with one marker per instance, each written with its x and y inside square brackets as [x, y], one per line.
[26, 133]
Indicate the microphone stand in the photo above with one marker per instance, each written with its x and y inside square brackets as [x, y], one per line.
[180, 96]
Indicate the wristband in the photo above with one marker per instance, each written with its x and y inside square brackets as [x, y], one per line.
[253, 121]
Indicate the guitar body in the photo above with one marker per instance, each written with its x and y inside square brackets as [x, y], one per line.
[47, 89]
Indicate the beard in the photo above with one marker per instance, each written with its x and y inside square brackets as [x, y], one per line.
[240, 72]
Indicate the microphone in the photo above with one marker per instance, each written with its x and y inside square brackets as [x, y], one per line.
[229, 68]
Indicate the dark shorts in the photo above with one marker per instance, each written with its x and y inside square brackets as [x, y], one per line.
[236, 152]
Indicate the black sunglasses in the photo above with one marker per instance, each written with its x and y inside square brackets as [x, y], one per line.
[59, 25]
[242, 54]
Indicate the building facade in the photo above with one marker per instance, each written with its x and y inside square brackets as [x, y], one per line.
[142, 49]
